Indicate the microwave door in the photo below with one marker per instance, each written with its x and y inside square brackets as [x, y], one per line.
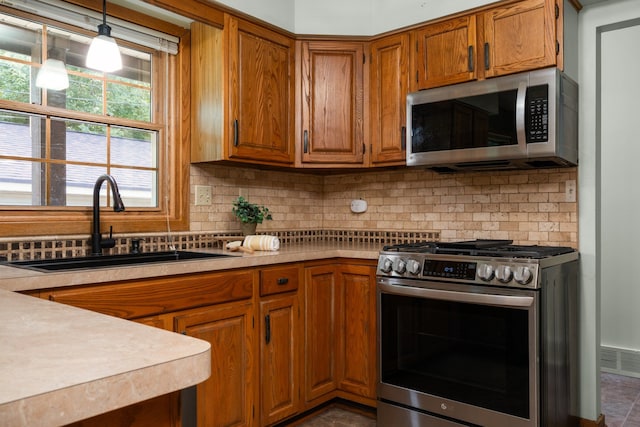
[473, 128]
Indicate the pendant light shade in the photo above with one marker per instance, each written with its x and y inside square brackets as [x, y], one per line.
[53, 75]
[104, 54]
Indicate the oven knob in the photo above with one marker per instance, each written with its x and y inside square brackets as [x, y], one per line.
[399, 266]
[504, 273]
[413, 266]
[386, 265]
[485, 272]
[522, 275]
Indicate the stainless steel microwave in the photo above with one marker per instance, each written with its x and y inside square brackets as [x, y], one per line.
[520, 121]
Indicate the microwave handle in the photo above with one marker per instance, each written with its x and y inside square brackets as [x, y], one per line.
[520, 116]
[465, 297]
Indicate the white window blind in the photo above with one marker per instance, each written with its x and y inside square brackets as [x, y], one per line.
[89, 20]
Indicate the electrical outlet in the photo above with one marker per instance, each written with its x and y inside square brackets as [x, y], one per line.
[570, 191]
[203, 195]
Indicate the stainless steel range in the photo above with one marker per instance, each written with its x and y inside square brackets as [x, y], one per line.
[477, 333]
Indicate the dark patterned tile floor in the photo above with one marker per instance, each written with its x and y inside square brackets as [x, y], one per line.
[620, 405]
[620, 398]
[338, 417]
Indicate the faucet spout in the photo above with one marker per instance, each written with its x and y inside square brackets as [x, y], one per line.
[97, 243]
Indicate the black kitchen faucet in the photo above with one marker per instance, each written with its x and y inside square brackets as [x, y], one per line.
[97, 242]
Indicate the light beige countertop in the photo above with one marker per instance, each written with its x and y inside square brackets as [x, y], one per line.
[60, 364]
[22, 279]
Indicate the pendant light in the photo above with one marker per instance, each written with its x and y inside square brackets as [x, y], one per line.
[53, 73]
[104, 54]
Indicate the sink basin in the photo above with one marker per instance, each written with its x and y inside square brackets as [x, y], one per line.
[62, 264]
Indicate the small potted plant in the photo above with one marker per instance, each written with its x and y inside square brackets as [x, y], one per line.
[249, 214]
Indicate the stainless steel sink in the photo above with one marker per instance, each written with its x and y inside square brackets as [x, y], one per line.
[62, 264]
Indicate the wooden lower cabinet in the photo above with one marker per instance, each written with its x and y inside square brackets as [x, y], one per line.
[321, 332]
[299, 336]
[227, 397]
[161, 411]
[340, 333]
[279, 358]
[357, 346]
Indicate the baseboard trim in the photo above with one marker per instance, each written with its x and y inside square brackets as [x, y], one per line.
[590, 423]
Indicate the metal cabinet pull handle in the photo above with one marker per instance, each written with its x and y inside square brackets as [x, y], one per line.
[283, 280]
[306, 141]
[403, 137]
[236, 132]
[267, 327]
[486, 56]
[471, 59]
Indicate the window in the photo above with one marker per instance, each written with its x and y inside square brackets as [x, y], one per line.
[55, 144]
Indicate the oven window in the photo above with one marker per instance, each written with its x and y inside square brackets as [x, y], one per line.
[476, 354]
[476, 121]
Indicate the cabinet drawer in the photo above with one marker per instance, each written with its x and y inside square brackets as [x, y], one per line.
[146, 297]
[279, 279]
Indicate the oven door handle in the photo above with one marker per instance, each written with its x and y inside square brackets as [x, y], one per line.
[467, 297]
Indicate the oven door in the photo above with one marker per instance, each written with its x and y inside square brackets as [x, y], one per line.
[463, 352]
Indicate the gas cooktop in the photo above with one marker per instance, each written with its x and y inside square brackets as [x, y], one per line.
[486, 262]
[481, 247]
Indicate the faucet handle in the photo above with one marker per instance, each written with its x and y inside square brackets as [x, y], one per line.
[109, 242]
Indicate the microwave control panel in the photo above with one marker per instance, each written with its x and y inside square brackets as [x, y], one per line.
[537, 114]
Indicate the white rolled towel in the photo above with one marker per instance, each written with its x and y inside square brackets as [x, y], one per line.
[262, 242]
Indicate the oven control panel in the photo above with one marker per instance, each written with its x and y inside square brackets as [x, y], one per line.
[493, 271]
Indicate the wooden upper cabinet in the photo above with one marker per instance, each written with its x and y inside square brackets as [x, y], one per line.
[242, 93]
[389, 84]
[261, 89]
[519, 37]
[446, 52]
[331, 131]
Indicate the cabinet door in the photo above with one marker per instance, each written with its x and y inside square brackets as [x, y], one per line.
[389, 83]
[227, 397]
[280, 357]
[261, 93]
[446, 52]
[207, 93]
[321, 331]
[519, 37]
[357, 372]
[332, 103]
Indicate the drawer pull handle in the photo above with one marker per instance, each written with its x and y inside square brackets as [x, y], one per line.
[283, 280]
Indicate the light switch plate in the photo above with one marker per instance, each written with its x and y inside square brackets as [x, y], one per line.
[570, 191]
[203, 195]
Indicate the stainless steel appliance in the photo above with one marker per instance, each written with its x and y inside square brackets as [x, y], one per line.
[477, 333]
[525, 120]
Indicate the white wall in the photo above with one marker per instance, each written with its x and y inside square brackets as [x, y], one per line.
[280, 13]
[592, 19]
[371, 17]
[349, 17]
[620, 197]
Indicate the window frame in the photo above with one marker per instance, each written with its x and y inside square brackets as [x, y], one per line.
[173, 74]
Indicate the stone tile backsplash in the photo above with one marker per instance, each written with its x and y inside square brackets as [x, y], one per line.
[526, 206]
[410, 204]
